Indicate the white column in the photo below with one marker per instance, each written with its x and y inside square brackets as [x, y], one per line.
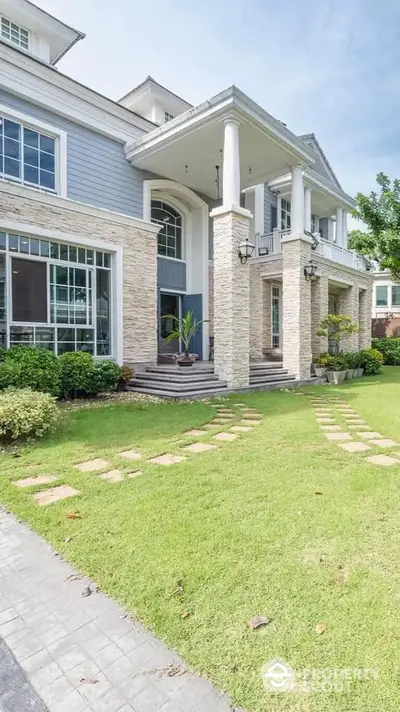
[297, 202]
[231, 165]
[307, 208]
[316, 224]
[344, 229]
[339, 227]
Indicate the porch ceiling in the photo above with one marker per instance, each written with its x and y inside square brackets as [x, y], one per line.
[188, 148]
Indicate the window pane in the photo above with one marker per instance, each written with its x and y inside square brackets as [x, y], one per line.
[11, 148]
[66, 335]
[72, 254]
[11, 129]
[31, 175]
[31, 156]
[107, 260]
[396, 295]
[11, 167]
[381, 296]
[21, 335]
[47, 162]
[54, 250]
[29, 291]
[89, 257]
[34, 246]
[64, 252]
[44, 248]
[3, 240]
[47, 144]
[103, 312]
[61, 275]
[82, 255]
[99, 259]
[24, 245]
[47, 180]
[13, 243]
[31, 138]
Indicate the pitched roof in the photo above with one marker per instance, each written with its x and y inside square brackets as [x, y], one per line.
[322, 164]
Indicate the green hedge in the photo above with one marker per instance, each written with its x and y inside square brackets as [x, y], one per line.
[390, 350]
[72, 375]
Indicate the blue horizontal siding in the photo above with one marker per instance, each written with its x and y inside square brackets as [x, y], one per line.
[98, 171]
[269, 203]
[171, 274]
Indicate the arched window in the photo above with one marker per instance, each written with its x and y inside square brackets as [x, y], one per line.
[170, 236]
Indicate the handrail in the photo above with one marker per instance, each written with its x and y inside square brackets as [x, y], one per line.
[271, 244]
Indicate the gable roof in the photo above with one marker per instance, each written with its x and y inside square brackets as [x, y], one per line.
[322, 165]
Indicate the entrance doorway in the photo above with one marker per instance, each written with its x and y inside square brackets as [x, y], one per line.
[170, 305]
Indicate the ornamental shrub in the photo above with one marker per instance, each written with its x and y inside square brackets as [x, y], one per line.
[82, 376]
[390, 349]
[30, 367]
[25, 413]
[371, 361]
[104, 377]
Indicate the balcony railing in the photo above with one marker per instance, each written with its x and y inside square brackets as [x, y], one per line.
[271, 244]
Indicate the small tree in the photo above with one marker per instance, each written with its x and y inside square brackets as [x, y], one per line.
[337, 327]
[185, 329]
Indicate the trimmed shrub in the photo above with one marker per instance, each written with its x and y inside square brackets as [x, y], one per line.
[371, 361]
[390, 350]
[81, 376]
[75, 373]
[30, 367]
[25, 413]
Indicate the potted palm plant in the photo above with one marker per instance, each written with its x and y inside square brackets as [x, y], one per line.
[185, 329]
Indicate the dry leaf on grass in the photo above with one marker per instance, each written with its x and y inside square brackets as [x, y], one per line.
[88, 681]
[86, 592]
[74, 515]
[320, 628]
[185, 614]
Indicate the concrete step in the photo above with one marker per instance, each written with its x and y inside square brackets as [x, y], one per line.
[193, 395]
[265, 365]
[268, 372]
[180, 369]
[169, 386]
[179, 395]
[176, 377]
[259, 380]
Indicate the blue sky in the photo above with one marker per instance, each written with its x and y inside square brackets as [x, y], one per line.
[325, 66]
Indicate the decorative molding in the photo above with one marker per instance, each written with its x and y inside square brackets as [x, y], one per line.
[224, 209]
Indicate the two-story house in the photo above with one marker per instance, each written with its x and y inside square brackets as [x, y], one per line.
[115, 214]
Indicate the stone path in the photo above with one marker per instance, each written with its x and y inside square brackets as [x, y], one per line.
[227, 424]
[62, 652]
[352, 434]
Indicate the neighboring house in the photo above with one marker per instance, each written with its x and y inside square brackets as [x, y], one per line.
[385, 306]
[114, 214]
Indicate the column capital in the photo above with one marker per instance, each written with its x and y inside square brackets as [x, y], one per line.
[236, 209]
[230, 121]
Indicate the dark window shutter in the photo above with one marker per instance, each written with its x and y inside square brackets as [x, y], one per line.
[274, 217]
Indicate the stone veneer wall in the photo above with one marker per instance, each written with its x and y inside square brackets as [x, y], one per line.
[364, 318]
[319, 309]
[296, 308]
[139, 257]
[231, 299]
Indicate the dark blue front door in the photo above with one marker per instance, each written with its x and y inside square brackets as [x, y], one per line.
[194, 303]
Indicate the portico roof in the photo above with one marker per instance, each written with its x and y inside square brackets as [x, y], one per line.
[189, 149]
[326, 196]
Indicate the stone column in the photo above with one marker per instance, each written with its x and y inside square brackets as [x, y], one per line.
[339, 227]
[349, 304]
[365, 321]
[297, 201]
[256, 313]
[296, 307]
[319, 310]
[231, 297]
[307, 208]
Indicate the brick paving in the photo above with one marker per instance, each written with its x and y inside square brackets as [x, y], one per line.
[61, 652]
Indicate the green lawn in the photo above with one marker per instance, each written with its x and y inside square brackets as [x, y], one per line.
[245, 531]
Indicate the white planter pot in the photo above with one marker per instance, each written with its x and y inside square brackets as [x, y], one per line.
[360, 372]
[349, 374]
[336, 377]
[319, 371]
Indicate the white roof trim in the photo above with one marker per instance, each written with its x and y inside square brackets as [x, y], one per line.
[319, 151]
[228, 101]
[314, 179]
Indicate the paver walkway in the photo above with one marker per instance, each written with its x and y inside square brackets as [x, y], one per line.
[63, 652]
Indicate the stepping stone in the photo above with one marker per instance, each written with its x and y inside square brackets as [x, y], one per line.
[136, 473]
[225, 436]
[370, 435]
[166, 459]
[130, 455]
[199, 447]
[240, 405]
[355, 422]
[384, 442]
[331, 428]
[221, 421]
[111, 476]
[245, 421]
[252, 416]
[92, 465]
[338, 436]
[32, 481]
[384, 460]
[211, 426]
[358, 426]
[351, 416]
[54, 494]
[323, 413]
[325, 420]
[194, 433]
[240, 429]
[354, 446]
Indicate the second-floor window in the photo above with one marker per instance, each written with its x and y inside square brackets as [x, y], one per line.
[285, 214]
[381, 296]
[170, 236]
[14, 33]
[168, 116]
[27, 156]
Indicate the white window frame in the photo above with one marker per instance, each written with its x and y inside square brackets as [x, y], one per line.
[170, 203]
[277, 297]
[287, 210]
[168, 116]
[60, 137]
[20, 28]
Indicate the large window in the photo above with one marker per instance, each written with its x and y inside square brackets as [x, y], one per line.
[396, 295]
[285, 214]
[170, 236]
[14, 33]
[60, 295]
[381, 296]
[27, 156]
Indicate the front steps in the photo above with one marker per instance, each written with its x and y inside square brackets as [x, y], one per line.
[200, 381]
